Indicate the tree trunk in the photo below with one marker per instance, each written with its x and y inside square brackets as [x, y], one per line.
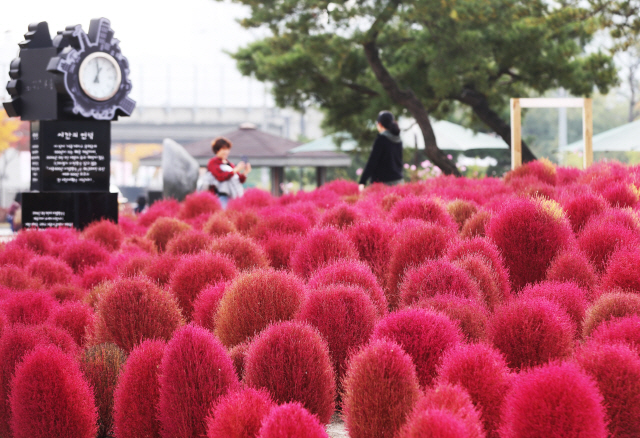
[478, 102]
[410, 101]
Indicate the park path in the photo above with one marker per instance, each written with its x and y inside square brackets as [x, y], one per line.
[337, 428]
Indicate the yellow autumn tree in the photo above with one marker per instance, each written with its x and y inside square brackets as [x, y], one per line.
[8, 128]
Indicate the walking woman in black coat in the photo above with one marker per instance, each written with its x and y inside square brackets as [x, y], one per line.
[385, 162]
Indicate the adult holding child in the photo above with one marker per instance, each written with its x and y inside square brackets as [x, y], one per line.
[227, 179]
[385, 162]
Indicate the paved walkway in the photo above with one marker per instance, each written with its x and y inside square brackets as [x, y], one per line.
[337, 428]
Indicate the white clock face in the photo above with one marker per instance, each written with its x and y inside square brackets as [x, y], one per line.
[100, 76]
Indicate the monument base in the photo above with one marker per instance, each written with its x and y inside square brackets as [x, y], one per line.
[68, 209]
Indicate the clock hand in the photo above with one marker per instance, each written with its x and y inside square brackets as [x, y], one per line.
[96, 81]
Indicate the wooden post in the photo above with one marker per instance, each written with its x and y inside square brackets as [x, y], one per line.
[516, 134]
[587, 132]
[321, 176]
[277, 178]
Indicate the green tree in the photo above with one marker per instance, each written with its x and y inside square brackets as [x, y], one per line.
[422, 58]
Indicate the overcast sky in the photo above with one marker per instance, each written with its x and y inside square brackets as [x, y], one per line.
[175, 48]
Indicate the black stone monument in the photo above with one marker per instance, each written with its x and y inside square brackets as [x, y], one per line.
[70, 88]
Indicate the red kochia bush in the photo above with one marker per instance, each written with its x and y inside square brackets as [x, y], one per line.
[137, 393]
[242, 250]
[106, 233]
[12, 254]
[101, 366]
[623, 271]
[17, 340]
[470, 315]
[341, 216]
[568, 296]
[95, 275]
[319, 248]
[475, 226]
[415, 243]
[599, 240]
[194, 273]
[291, 420]
[277, 220]
[28, 307]
[239, 355]
[132, 310]
[84, 254]
[50, 397]
[555, 400]
[531, 331]
[380, 390]
[195, 372]
[435, 277]
[351, 273]
[50, 270]
[610, 306]
[479, 269]
[164, 229]
[160, 269]
[253, 301]
[199, 203]
[189, 242]
[529, 234]
[205, 306]
[218, 225]
[426, 209]
[291, 361]
[482, 371]
[456, 400]
[13, 277]
[423, 334]
[433, 423]
[278, 248]
[616, 370]
[581, 207]
[463, 250]
[344, 316]
[131, 263]
[74, 317]
[32, 240]
[461, 210]
[372, 239]
[620, 195]
[239, 414]
[619, 331]
[252, 199]
[163, 208]
[572, 265]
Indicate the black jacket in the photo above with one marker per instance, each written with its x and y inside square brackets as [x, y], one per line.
[385, 161]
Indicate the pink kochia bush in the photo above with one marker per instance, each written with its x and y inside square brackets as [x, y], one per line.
[344, 316]
[132, 310]
[380, 390]
[195, 372]
[239, 414]
[245, 253]
[457, 401]
[291, 420]
[616, 370]
[106, 233]
[291, 361]
[529, 234]
[572, 265]
[436, 277]
[470, 315]
[76, 318]
[619, 331]
[483, 372]
[319, 248]
[253, 301]
[50, 397]
[416, 242]
[423, 334]
[194, 273]
[28, 307]
[432, 423]
[372, 239]
[555, 400]
[351, 273]
[206, 305]
[568, 296]
[137, 393]
[50, 270]
[608, 307]
[623, 271]
[531, 332]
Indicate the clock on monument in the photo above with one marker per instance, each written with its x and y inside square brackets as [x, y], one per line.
[91, 72]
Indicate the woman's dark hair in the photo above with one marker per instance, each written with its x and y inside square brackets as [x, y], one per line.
[385, 118]
[220, 143]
